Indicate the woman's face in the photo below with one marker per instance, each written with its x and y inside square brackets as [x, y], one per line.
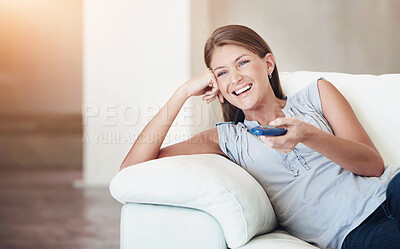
[242, 76]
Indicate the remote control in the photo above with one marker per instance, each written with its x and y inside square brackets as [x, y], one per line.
[265, 130]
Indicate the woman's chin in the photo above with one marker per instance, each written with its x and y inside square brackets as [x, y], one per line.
[246, 105]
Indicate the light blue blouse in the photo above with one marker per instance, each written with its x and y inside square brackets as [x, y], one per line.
[314, 198]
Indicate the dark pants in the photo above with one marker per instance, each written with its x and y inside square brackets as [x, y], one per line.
[382, 228]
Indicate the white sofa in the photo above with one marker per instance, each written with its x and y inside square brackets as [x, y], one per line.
[207, 202]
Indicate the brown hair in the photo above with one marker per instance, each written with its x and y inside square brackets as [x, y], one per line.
[244, 37]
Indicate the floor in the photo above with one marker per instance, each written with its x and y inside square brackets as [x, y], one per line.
[39, 141]
[41, 209]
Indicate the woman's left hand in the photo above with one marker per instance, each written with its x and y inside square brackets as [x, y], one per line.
[296, 131]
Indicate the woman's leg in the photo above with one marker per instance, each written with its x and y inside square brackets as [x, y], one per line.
[393, 199]
[382, 228]
[378, 231]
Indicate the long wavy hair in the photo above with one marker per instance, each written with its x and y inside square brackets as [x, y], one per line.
[247, 38]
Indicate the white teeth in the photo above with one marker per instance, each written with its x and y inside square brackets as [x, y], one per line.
[243, 89]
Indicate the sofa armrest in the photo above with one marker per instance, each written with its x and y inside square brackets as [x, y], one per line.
[207, 182]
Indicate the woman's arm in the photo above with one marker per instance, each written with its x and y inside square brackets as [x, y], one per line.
[355, 150]
[148, 143]
[350, 146]
[204, 142]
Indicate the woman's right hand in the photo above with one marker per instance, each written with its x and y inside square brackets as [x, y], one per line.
[205, 84]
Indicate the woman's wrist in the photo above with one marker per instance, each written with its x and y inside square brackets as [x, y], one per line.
[308, 132]
[183, 91]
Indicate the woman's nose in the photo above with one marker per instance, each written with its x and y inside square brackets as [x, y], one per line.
[236, 76]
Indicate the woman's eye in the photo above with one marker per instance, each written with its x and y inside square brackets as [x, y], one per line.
[221, 73]
[243, 62]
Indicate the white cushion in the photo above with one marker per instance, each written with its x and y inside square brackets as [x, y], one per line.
[278, 239]
[207, 182]
[373, 98]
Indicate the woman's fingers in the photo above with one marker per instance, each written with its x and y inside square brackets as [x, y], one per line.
[204, 84]
[279, 143]
[284, 122]
[209, 101]
[214, 87]
[201, 83]
[210, 95]
[209, 98]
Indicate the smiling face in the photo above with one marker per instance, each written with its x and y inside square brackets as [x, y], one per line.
[242, 75]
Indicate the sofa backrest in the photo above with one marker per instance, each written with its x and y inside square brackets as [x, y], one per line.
[374, 99]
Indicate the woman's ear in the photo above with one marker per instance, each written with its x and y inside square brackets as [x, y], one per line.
[270, 61]
[220, 97]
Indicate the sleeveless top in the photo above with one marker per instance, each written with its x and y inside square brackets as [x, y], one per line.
[314, 198]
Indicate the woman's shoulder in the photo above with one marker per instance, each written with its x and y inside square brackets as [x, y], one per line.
[309, 95]
[310, 89]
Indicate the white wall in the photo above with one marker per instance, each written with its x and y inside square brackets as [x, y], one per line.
[40, 57]
[136, 53]
[346, 36]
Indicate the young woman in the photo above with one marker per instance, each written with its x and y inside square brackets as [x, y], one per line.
[324, 177]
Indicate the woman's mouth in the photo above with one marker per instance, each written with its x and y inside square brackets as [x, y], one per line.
[241, 91]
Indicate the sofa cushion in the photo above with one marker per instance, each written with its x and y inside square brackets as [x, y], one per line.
[207, 182]
[277, 239]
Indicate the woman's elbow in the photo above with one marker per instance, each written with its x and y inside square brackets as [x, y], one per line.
[380, 167]
[126, 164]
[370, 167]
[377, 167]
[133, 159]
[123, 166]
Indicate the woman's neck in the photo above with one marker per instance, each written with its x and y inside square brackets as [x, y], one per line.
[267, 111]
